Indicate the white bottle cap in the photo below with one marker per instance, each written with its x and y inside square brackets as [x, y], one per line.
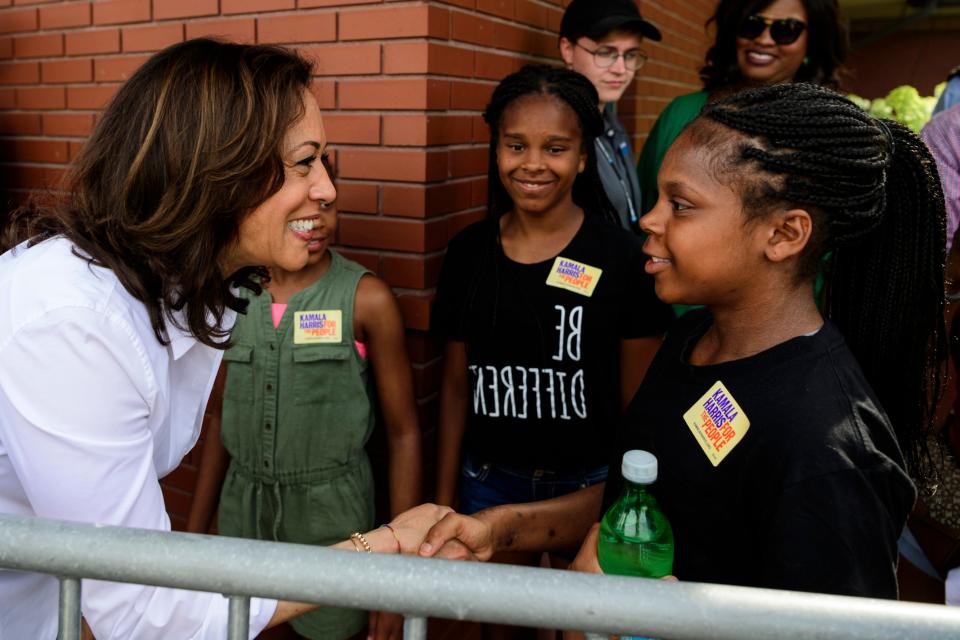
[639, 467]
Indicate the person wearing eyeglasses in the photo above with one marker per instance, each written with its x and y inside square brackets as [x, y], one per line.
[601, 40]
[758, 42]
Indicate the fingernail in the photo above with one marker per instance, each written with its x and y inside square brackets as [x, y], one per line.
[426, 547]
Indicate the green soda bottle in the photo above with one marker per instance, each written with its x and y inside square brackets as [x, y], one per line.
[635, 536]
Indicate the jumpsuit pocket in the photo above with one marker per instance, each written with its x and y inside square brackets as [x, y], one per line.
[239, 385]
[313, 366]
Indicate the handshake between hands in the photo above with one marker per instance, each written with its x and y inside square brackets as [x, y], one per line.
[430, 530]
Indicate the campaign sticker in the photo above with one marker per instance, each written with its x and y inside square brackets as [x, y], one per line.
[317, 327]
[574, 276]
[717, 422]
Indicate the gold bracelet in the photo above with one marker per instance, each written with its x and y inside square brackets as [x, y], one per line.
[356, 537]
[356, 545]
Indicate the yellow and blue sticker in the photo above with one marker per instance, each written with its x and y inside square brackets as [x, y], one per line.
[574, 276]
[318, 327]
[717, 422]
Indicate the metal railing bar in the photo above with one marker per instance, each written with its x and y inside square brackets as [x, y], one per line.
[69, 609]
[238, 618]
[414, 628]
[459, 590]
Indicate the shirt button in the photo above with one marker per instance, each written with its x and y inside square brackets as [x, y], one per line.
[266, 463]
[269, 387]
[268, 426]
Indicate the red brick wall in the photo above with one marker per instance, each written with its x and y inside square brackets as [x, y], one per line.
[674, 64]
[402, 85]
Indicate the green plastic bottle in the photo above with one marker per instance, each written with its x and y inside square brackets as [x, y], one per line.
[635, 536]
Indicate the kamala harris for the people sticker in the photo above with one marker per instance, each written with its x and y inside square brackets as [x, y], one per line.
[717, 422]
[574, 276]
[318, 327]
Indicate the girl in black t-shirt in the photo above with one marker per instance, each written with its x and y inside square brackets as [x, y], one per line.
[536, 304]
[784, 439]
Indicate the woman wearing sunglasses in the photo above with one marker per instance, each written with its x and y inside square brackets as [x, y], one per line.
[758, 42]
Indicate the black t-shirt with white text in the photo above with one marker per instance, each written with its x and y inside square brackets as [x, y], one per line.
[812, 498]
[543, 358]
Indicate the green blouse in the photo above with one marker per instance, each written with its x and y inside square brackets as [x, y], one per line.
[678, 114]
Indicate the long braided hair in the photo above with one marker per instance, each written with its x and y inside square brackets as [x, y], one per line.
[573, 90]
[872, 190]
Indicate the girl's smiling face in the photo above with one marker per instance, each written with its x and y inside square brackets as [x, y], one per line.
[763, 61]
[539, 153]
[286, 227]
[701, 248]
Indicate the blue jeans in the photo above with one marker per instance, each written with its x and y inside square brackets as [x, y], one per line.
[483, 484]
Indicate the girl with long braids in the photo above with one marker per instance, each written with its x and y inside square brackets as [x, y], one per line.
[786, 437]
[548, 318]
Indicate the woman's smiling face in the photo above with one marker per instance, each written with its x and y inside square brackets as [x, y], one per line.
[280, 231]
[763, 61]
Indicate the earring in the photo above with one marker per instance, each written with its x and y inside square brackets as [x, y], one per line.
[806, 60]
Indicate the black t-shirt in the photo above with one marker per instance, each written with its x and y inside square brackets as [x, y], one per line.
[813, 498]
[543, 360]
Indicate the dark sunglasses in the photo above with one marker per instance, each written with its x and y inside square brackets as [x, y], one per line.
[784, 31]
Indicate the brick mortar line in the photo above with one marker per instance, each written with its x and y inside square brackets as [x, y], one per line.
[499, 19]
[33, 137]
[399, 183]
[437, 146]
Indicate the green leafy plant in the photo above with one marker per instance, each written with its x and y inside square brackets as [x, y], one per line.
[904, 104]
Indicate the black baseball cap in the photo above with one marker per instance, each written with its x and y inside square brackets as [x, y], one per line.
[597, 18]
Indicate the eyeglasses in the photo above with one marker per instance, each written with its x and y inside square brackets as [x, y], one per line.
[606, 57]
[783, 31]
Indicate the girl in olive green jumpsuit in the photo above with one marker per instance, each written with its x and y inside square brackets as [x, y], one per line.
[297, 410]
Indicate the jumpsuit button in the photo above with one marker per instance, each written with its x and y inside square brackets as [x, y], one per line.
[269, 387]
[268, 426]
[266, 463]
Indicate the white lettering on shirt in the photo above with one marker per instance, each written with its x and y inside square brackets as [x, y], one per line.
[505, 391]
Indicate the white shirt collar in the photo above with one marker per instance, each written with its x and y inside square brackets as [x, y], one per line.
[181, 340]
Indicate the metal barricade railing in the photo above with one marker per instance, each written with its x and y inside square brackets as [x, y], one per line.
[459, 590]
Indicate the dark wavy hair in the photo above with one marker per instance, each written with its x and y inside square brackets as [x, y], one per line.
[827, 43]
[872, 189]
[577, 92]
[189, 145]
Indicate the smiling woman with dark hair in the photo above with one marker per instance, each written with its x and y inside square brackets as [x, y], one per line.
[758, 42]
[117, 302]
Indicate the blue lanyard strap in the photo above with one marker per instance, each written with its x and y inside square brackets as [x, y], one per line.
[624, 151]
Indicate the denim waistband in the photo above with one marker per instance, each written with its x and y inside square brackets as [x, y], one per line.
[536, 472]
